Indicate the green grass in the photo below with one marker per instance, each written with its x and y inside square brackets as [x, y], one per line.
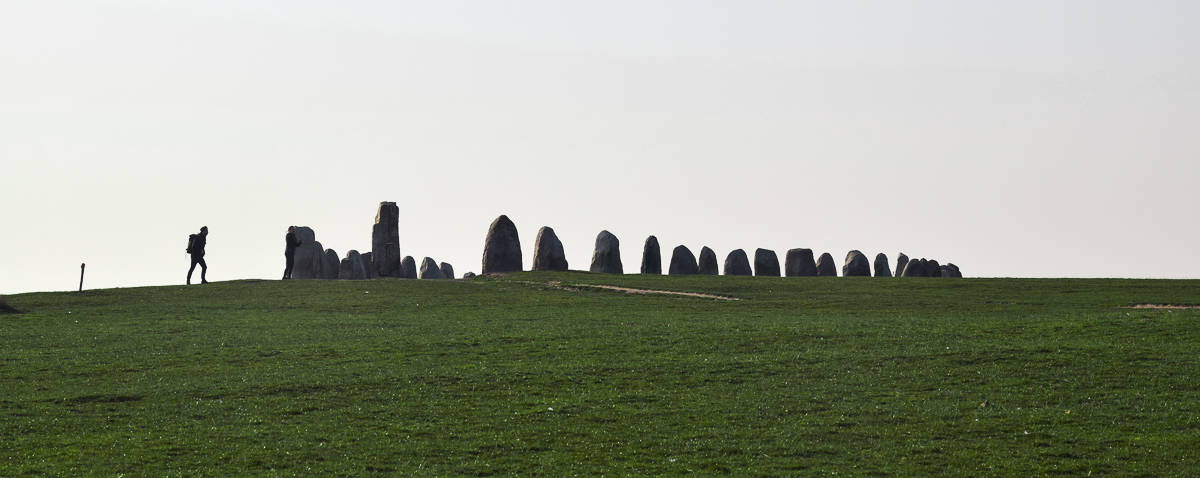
[509, 376]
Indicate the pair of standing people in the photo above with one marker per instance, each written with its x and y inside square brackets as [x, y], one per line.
[196, 243]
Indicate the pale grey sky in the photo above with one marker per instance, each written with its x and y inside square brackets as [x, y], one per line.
[1017, 138]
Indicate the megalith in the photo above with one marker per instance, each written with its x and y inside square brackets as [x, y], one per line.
[901, 263]
[951, 270]
[651, 257]
[447, 271]
[607, 255]
[352, 267]
[825, 266]
[915, 268]
[408, 268]
[469, 275]
[683, 262]
[430, 269]
[309, 255]
[737, 263]
[799, 263]
[548, 252]
[766, 263]
[502, 248]
[368, 260]
[881, 266]
[856, 265]
[385, 241]
[933, 269]
[708, 262]
[330, 265]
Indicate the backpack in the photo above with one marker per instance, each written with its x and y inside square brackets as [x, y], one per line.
[191, 243]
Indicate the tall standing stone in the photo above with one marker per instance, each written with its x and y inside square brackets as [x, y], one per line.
[548, 252]
[766, 263]
[901, 263]
[447, 271]
[430, 269]
[309, 255]
[651, 257]
[737, 264]
[683, 262]
[502, 248]
[385, 241]
[330, 265]
[825, 266]
[607, 255]
[881, 266]
[708, 262]
[856, 265]
[799, 263]
[408, 268]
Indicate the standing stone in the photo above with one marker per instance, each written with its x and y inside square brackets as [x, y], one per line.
[651, 257]
[352, 267]
[881, 266]
[951, 270]
[901, 263]
[408, 268]
[369, 264]
[447, 271]
[856, 265]
[385, 241]
[737, 264]
[799, 263]
[548, 252]
[469, 275]
[330, 265]
[708, 262]
[502, 248]
[682, 262]
[933, 269]
[430, 269]
[825, 266]
[766, 263]
[607, 255]
[915, 268]
[309, 255]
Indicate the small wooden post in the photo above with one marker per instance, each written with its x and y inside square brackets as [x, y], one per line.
[81, 266]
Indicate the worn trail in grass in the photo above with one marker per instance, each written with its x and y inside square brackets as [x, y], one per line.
[513, 375]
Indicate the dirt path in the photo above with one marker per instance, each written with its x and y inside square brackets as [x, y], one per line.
[1162, 307]
[628, 290]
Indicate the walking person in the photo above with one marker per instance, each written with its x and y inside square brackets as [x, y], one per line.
[196, 243]
[289, 251]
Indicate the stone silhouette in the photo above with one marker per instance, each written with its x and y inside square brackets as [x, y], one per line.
[309, 255]
[408, 268]
[651, 257]
[469, 275]
[933, 269]
[799, 263]
[368, 260]
[683, 262]
[708, 262]
[447, 271]
[825, 266]
[856, 265]
[766, 263]
[606, 257]
[330, 265]
[881, 266]
[915, 268]
[548, 252]
[430, 269]
[385, 241]
[351, 267]
[737, 264]
[502, 248]
[901, 263]
[951, 270]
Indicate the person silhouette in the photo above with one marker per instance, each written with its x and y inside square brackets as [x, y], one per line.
[289, 251]
[196, 243]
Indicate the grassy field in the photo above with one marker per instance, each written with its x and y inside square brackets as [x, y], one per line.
[512, 375]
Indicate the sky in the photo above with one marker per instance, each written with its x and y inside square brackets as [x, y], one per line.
[1015, 139]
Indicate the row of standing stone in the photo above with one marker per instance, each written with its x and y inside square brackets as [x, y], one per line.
[502, 253]
[313, 262]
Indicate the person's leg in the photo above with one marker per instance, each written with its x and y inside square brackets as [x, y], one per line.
[291, 262]
[190, 269]
[203, 270]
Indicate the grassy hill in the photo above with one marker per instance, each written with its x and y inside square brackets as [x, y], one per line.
[531, 374]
